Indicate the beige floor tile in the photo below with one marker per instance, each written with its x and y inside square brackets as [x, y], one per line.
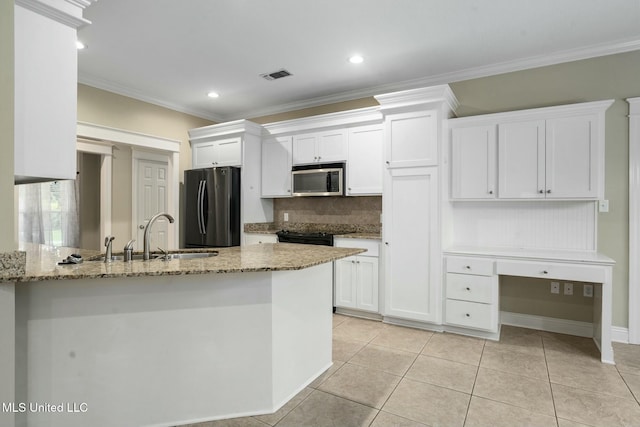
[326, 374]
[445, 373]
[453, 347]
[528, 393]
[567, 423]
[358, 329]
[594, 409]
[627, 357]
[232, 422]
[272, 419]
[339, 319]
[384, 419]
[519, 340]
[428, 404]
[345, 349]
[633, 382]
[577, 346]
[505, 359]
[325, 410]
[401, 338]
[384, 359]
[487, 413]
[364, 385]
[586, 373]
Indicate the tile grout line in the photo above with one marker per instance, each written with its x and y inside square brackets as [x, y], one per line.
[475, 379]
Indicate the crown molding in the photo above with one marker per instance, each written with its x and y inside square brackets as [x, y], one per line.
[620, 46]
[359, 116]
[68, 12]
[634, 106]
[235, 127]
[99, 133]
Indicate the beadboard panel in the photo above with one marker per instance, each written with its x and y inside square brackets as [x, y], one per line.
[527, 224]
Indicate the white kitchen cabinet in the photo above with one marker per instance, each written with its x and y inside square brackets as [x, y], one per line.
[217, 153]
[276, 167]
[412, 249]
[356, 278]
[412, 139]
[320, 147]
[254, 238]
[474, 162]
[364, 165]
[46, 89]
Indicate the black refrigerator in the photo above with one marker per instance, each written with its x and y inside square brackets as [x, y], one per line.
[212, 214]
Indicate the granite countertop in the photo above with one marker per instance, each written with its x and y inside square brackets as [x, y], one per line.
[42, 262]
[348, 231]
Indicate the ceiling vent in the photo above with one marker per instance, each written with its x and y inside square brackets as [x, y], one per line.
[276, 75]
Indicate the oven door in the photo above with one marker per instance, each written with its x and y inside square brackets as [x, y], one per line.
[318, 182]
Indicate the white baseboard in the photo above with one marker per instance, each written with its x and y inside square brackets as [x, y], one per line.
[620, 334]
[550, 324]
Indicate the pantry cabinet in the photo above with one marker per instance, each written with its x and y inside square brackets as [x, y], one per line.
[546, 153]
[412, 139]
[276, 166]
[320, 147]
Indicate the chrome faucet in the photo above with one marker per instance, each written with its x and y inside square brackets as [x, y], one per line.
[147, 230]
[108, 241]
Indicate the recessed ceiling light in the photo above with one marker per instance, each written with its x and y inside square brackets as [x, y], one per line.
[213, 94]
[80, 45]
[356, 59]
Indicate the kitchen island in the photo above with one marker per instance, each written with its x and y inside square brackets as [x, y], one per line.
[170, 342]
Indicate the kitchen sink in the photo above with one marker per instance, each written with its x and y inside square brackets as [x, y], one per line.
[154, 256]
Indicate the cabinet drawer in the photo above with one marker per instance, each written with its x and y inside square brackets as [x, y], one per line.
[372, 246]
[480, 266]
[470, 315]
[549, 270]
[468, 287]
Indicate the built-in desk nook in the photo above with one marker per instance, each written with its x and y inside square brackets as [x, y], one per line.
[472, 297]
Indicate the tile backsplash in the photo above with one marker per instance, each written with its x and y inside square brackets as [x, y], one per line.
[360, 212]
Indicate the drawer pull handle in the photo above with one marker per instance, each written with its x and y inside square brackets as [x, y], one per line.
[468, 267]
[545, 272]
[468, 315]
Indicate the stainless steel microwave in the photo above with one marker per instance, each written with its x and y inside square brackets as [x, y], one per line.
[318, 180]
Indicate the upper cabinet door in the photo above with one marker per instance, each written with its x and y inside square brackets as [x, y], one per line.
[332, 146]
[571, 157]
[228, 152]
[304, 149]
[473, 162]
[521, 154]
[203, 155]
[276, 167]
[412, 139]
[364, 166]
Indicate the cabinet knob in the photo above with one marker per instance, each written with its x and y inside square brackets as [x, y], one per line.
[387, 162]
[468, 267]
[541, 191]
[349, 188]
[468, 288]
[289, 190]
[545, 272]
[490, 191]
[386, 243]
[319, 157]
[548, 191]
[468, 315]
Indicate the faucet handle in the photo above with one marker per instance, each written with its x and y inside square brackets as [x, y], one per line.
[108, 240]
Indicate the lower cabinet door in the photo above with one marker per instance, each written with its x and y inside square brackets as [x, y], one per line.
[471, 315]
[345, 283]
[367, 283]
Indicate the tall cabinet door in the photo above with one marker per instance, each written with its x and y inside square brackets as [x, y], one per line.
[276, 167]
[571, 157]
[521, 153]
[412, 264]
[412, 139]
[364, 166]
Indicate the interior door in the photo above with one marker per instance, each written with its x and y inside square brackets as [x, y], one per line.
[151, 198]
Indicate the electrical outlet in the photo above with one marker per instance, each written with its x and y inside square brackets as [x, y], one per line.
[286, 216]
[555, 287]
[603, 206]
[587, 291]
[568, 288]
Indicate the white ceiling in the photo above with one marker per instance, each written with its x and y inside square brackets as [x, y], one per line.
[172, 52]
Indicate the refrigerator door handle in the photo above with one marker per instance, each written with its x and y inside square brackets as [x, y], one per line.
[199, 208]
[202, 224]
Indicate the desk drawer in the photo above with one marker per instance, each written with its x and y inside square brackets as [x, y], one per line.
[470, 315]
[462, 265]
[548, 270]
[468, 287]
